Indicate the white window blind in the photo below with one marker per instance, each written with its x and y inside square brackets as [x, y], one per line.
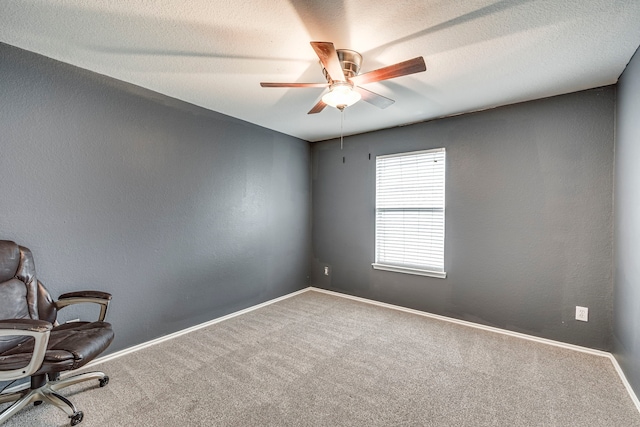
[410, 212]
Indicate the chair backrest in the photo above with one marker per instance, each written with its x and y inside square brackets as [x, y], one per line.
[21, 295]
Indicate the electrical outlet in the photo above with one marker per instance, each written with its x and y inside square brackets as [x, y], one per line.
[326, 270]
[582, 313]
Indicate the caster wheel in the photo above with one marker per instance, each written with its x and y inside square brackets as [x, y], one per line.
[76, 418]
[104, 381]
[37, 402]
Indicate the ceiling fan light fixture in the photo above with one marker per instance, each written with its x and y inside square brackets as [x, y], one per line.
[341, 96]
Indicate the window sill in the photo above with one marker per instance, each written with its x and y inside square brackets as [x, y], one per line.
[407, 270]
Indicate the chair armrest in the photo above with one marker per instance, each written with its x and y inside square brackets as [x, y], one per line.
[86, 294]
[39, 330]
[95, 297]
[25, 325]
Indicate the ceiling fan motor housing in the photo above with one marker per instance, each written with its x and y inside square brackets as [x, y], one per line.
[350, 61]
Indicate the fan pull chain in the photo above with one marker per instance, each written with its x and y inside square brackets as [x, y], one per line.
[341, 127]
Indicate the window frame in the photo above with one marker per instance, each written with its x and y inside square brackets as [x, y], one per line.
[425, 269]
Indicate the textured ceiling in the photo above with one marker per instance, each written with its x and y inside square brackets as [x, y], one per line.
[214, 53]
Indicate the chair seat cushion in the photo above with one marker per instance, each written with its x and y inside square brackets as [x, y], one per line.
[71, 345]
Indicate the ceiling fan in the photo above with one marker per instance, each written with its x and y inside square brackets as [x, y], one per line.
[341, 68]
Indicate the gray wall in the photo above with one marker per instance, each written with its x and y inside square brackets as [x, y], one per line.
[528, 217]
[627, 225]
[183, 214]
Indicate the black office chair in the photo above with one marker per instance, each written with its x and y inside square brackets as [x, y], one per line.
[33, 344]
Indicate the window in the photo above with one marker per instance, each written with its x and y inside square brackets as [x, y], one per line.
[410, 212]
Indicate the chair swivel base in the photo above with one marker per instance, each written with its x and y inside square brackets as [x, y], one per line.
[48, 393]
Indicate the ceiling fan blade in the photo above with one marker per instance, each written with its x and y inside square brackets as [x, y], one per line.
[329, 59]
[263, 84]
[412, 66]
[374, 98]
[318, 107]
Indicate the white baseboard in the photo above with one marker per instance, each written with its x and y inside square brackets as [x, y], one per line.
[624, 380]
[573, 347]
[467, 323]
[164, 338]
[600, 353]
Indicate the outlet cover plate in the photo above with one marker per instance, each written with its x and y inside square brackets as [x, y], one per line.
[582, 313]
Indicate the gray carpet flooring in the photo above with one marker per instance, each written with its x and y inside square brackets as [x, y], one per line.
[320, 360]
